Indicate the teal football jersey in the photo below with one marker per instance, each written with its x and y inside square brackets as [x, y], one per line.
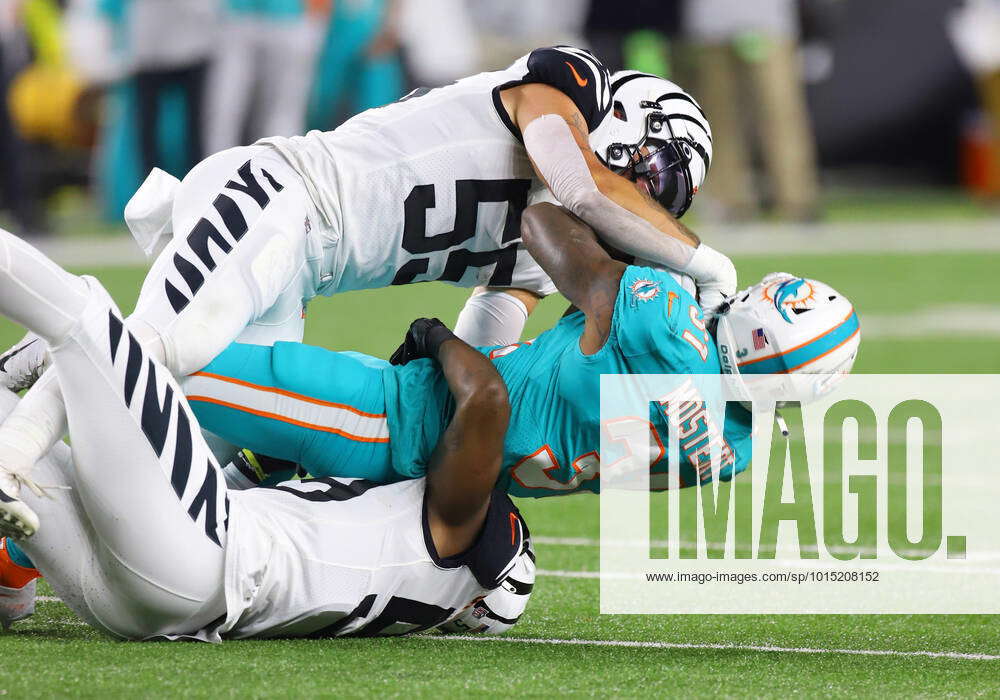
[553, 443]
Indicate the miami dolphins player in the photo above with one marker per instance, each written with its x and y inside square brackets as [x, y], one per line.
[348, 414]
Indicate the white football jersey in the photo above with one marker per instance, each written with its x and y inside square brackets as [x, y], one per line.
[335, 557]
[432, 187]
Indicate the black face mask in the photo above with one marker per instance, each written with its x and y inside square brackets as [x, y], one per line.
[665, 174]
[664, 171]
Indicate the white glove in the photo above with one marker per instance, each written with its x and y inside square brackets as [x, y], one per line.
[715, 276]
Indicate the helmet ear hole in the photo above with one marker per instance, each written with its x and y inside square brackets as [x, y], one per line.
[831, 297]
[619, 111]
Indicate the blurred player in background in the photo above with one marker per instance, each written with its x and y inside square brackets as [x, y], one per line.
[262, 69]
[430, 187]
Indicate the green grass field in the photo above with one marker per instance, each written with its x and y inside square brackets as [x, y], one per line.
[55, 655]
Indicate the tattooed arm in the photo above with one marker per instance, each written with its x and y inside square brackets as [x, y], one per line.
[528, 103]
[581, 269]
[556, 139]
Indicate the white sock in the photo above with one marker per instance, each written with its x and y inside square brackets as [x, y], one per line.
[33, 427]
[37, 293]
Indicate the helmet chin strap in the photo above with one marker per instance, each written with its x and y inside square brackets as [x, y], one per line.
[782, 425]
[723, 329]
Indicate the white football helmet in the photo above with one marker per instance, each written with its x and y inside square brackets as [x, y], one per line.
[501, 608]
[787, 325]
[655, 134]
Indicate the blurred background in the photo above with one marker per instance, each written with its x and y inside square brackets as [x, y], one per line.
[822, 109]
[857, 142]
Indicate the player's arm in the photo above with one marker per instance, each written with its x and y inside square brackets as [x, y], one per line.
[586, 274]
[466, 462]
[561, 117]
[556, 136]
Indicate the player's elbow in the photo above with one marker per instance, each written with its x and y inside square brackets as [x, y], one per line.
[488, 406]
[588, 204]
[535, 220]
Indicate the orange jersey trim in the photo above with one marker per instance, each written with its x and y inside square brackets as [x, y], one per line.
[792, 369]
[289, 394]
[285, 419]
[802, 345]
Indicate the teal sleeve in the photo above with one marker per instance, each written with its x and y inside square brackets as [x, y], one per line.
[647, 310]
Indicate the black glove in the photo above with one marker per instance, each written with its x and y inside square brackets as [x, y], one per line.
[422, 340]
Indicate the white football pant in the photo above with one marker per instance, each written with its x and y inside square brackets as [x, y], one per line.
[136, 543]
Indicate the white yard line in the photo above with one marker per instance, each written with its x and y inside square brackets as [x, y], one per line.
[752, 240]
[767, 239]
[561, 573]
[723, 647]
[975, 320]
[97, 251]
[791, 549]
[673, 645]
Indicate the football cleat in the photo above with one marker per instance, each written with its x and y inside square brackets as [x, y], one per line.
[17, 589]
[16, 518]
[16, 604]
[23, 364]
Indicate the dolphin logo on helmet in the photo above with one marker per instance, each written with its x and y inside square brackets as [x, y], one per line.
[788, 288]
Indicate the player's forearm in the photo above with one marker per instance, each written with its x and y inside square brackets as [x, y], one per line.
[466, 462]
[608, 202]
[569, 253]
[623, 193]
[633, 234]
[474, 382]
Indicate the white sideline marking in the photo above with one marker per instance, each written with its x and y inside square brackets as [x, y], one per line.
[592, 542]
[744, 240]
[723, 647]
[561, 573]
[978, 320]
[781, 564]
[673, 645]
[863, 237]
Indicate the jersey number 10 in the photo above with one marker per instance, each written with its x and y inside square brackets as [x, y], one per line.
[469, 194]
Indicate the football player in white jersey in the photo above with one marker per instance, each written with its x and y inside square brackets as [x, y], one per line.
[143, 541]
[430, 187]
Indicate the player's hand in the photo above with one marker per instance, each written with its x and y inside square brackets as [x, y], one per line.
[715, 276]
[711, 299]
[423, 339]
